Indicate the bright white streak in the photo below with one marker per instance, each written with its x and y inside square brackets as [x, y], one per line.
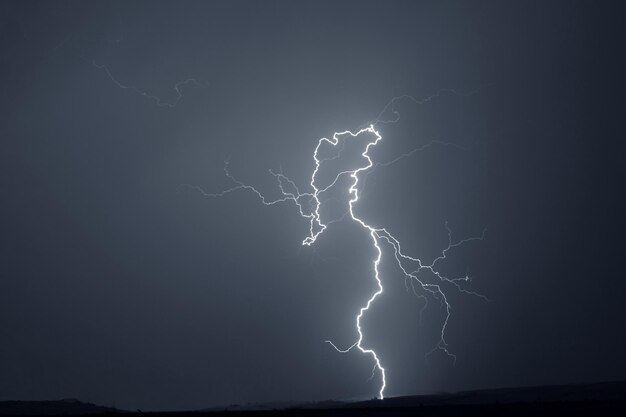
[317, 227]
[353, 190]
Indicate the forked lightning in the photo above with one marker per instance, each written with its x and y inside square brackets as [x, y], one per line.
[309, 204]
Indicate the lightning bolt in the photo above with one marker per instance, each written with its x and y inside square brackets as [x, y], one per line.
[157, 100]
[413, 269]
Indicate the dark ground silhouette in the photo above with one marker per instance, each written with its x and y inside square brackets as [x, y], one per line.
[600, 399]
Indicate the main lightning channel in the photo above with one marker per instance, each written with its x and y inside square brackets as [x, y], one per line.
[354, 191]
[309, 204]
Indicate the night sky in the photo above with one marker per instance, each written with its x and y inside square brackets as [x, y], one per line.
[121, 285]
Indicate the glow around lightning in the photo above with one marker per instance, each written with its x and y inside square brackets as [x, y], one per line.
[309, 203]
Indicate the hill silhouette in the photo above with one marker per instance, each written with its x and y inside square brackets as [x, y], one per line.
[68, 406]
[598, 399]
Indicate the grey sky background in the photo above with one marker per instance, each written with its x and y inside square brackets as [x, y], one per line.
[120, 287]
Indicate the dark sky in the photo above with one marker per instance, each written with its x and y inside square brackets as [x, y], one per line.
[119, 286]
